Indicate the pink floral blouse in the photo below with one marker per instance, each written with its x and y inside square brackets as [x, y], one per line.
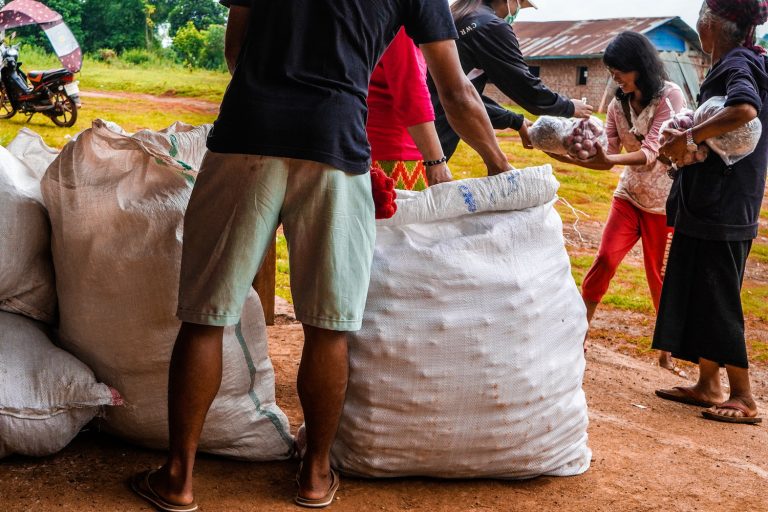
[645, 186]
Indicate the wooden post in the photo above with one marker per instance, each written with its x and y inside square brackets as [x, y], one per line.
[264, 283]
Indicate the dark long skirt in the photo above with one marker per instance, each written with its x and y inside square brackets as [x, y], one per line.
[700, 314]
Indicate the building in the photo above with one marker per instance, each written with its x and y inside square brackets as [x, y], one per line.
[567, 55]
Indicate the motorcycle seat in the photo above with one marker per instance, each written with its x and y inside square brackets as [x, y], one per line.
[37, 77]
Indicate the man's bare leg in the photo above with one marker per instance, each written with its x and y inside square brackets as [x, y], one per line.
[591, 307]
[322, 386]
[194, 378]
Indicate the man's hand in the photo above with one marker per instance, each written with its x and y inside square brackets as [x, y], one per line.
[581, 108]
[675, 147]
[438, 174]
[523, 132]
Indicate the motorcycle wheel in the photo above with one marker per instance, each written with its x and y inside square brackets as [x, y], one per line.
[65, 110]
[6, 108]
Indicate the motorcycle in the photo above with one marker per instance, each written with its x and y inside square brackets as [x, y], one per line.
[53, 93]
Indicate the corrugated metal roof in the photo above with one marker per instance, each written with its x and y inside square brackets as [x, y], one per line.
[584, 38]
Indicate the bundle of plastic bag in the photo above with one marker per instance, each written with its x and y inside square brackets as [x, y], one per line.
[578, 138]
[734, 145]
[682, 121]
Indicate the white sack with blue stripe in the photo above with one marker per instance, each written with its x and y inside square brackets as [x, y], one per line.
[469, 363]
[116, 204]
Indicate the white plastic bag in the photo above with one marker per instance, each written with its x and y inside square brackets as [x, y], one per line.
[117, 204]
[470, 360]
[578, 138]
[46, 395]
[735, 145]
[26, 270]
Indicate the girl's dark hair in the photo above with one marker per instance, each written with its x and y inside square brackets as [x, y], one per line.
[630, 51]
[462, 8]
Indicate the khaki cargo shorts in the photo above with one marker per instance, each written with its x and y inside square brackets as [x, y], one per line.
[236, 205]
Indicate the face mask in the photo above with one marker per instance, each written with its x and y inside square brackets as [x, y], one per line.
[510, 18]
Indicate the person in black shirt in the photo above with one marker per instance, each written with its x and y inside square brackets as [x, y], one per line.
[489, 52]
[290, 145]
[714, 208]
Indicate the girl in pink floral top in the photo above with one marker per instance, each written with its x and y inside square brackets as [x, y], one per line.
[644, 100]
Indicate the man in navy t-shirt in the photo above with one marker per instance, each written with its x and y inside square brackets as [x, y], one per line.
[290, 146]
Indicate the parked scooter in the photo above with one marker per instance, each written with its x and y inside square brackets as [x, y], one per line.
[53, 93]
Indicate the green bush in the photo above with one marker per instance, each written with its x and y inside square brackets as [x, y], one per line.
[213, 51]
[105, 55]
[189, 44]
[137, 56]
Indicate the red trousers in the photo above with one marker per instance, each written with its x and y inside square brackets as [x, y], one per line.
[626, 224]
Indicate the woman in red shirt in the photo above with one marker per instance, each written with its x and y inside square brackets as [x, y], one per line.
[401, 128]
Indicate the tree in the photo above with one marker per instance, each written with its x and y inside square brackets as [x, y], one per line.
[200, 48]
[202, 14]
[116, 24]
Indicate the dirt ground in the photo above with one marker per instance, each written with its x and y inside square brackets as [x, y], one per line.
[648, 455]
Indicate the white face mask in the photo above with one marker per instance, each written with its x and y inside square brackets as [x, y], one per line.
[510, 18]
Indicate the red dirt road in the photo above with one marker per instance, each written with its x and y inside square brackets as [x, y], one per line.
[662, 456]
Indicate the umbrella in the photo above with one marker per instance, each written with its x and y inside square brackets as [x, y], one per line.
[19, 13]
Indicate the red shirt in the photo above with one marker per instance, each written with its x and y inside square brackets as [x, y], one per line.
[398, 98]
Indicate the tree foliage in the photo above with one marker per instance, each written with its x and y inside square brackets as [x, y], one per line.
[122, 25]
[202, 14]
[200, 48]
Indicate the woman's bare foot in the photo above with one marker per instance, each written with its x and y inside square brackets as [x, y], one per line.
[668, 363]
[736, 407]
[697, 395]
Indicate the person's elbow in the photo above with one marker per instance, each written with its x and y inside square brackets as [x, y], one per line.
[744, 112]
[458, 99]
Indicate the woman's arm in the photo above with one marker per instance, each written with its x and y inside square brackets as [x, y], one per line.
[462, 104]
[498, 54]
[742, 106]
[425, 137]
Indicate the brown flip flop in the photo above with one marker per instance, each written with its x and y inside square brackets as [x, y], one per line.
[140, 485]
[325, 500]
[710, 414]
[683, 396]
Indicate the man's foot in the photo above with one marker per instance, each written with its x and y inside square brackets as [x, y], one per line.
[322, 500]
[734, 410]
[690, 396]
[147, 485]
[313, 484]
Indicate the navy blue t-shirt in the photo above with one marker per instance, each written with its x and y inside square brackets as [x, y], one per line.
[300, 86]
[714, 201]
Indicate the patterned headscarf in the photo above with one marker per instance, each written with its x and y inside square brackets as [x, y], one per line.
[742, 12]
[745, 13]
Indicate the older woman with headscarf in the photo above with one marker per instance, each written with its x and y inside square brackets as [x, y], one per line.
[714, 208]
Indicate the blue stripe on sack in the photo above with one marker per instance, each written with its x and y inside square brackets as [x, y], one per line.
[469, 199]
[255, 399]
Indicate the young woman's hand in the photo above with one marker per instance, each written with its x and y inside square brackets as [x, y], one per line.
[524, 137]
[600, 159]
[581, 108]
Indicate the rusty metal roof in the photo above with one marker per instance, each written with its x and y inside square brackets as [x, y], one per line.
[585, 38]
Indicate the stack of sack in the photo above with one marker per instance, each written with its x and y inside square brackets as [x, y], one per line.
[116, 204]
[470, 359]
[46, 395]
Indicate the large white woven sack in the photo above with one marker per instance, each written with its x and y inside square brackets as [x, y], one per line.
[470, 361]
[117, 205]
[46, 395]
[30, 148]
[26, 271]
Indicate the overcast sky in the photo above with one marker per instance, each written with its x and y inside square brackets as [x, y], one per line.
[550, 10]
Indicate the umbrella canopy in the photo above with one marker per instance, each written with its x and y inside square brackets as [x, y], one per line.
[19, 13]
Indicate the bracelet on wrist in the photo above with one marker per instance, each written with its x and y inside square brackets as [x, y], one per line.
[432, 163]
